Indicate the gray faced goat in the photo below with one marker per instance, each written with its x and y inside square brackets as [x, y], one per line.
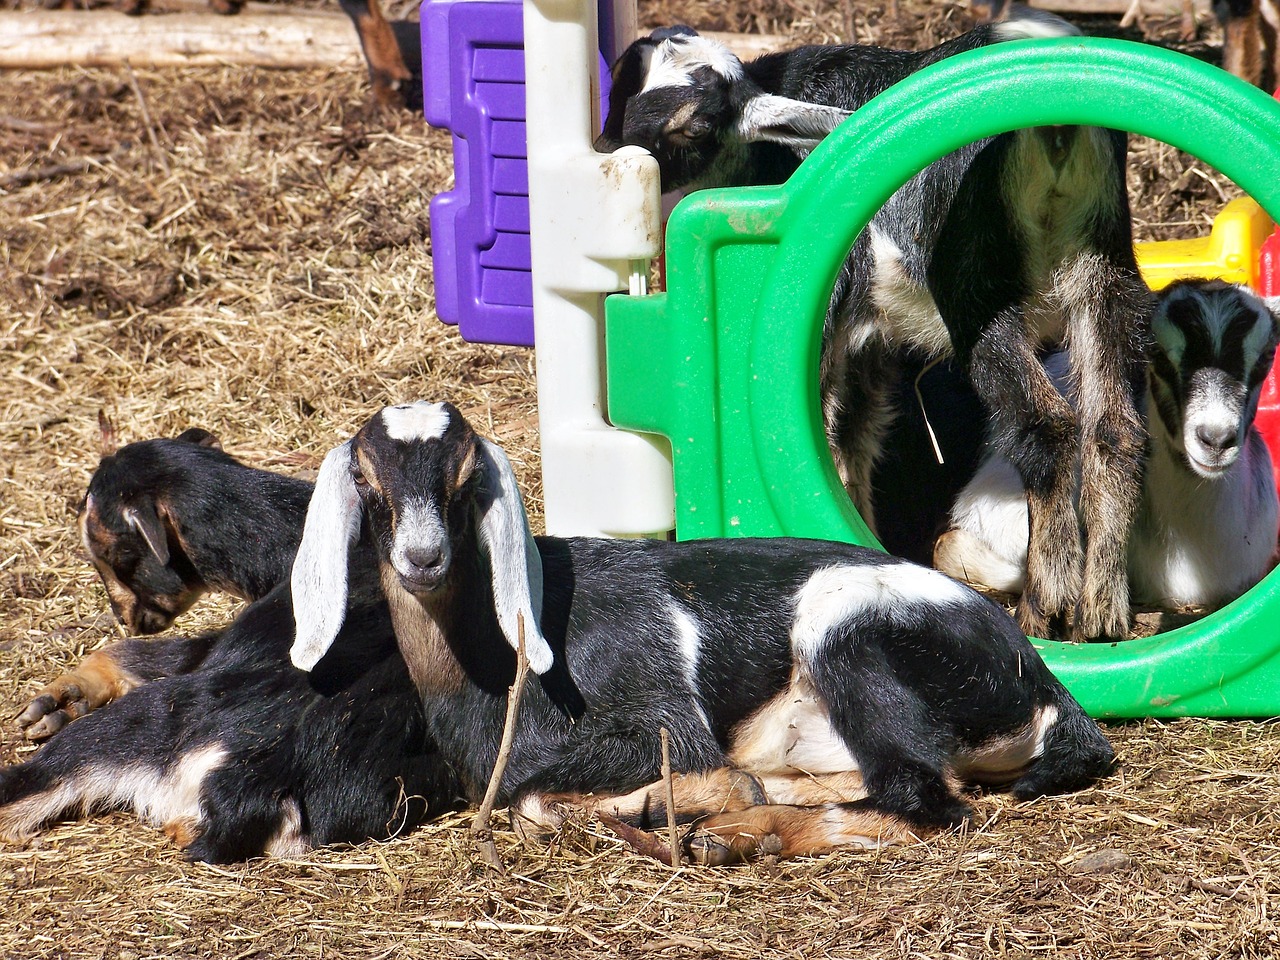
[791, 660]
[992, 252]
[1207, 523]
[218, 739]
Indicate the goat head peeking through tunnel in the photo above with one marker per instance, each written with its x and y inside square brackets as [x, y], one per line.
[781, 658]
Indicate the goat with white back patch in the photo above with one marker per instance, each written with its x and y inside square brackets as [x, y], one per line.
[991, 253]
[218, 738]
[1206, 527]
[817, 669]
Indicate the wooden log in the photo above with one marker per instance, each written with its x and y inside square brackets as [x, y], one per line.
[49, 38]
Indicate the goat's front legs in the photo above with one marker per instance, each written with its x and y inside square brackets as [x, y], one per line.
[729, 815]
[1108, 352]
[1035, 427]
[107, 675]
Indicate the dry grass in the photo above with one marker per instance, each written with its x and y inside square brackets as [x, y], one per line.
[266, 274]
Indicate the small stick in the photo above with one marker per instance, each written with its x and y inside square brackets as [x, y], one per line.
[481, 831]
[146, 118]
[673, 835]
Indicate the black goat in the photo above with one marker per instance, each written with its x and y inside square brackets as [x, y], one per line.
[163, 522]
[786, 658]
[223, 743]
[991, 253]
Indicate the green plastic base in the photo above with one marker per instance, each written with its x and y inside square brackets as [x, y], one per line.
[725, 364]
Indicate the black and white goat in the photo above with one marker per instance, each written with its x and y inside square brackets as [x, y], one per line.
[1206, 526]
[218, 738]
[990, 253]
[163, 522]
[789, 659]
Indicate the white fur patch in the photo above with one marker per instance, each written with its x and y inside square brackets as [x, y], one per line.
[1031, 27]
[835, 595]
[420, 527]
[908, 307]
[688, 637]
[415, 421]
[793, 732]
[674, 61]
[289, 840]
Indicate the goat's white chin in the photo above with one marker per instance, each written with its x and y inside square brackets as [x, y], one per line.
[421, 584]
[1203, 467]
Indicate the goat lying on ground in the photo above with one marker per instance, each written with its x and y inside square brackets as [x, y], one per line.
[164, 521]
[235, 753]
[991, 252]
[793, 660]
[1207, 523]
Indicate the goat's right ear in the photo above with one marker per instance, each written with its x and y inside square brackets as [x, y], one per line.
[627, 79]
[319, 576]
[144, 519]
[767, 118]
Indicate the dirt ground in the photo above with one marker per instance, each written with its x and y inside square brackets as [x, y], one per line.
[249, 251]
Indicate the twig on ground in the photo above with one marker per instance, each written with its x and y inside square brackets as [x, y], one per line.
[481, 829]
[673, 835]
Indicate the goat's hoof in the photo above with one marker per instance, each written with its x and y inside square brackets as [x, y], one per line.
[46, 715]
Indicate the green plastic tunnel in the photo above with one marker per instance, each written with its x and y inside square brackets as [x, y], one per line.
[725, 363]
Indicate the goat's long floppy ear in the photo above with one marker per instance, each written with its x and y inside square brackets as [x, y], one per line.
[768, 118]
[319, 577]
[513, 556]
[145, 519]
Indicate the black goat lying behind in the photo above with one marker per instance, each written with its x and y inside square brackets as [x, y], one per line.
[990, 253]
[786, 658]
[223, 743]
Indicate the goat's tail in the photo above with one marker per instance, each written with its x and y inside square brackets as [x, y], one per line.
[1021, 22]
[1076, 754]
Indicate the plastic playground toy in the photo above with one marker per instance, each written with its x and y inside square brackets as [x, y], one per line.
[725, 363]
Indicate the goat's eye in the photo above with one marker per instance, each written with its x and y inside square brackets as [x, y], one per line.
[698, 128]
[358, 477]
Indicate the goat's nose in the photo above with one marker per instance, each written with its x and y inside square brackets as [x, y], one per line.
[424, 558]
[1216, 436]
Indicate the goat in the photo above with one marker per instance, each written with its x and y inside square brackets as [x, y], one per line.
[989, 253]
[1249, 40]
[219, 740]
[785, 658]
[1206, 525]
[164, 521]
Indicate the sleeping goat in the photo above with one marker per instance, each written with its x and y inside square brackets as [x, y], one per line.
[218, 739]
[989, 253]
[1207, 523]
[789, 660]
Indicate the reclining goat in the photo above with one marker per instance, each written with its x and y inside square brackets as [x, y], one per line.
[217, 738]
[992, 252]
[789, 659]
[1207, 523]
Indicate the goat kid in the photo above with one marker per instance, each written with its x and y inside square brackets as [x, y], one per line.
[164, 521]
[227, 747]
[1206, 526]
[791, 660]
[989, 253]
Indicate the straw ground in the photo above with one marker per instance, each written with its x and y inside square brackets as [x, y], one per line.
[263, 270]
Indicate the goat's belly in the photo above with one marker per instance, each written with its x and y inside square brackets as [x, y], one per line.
[792, 733]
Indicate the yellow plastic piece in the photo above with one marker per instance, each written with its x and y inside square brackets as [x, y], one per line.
[1229, 252]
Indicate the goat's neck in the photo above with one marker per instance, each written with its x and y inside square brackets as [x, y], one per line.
[257, 535]
[451, 639]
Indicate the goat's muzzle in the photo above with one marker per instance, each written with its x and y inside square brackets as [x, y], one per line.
[422, 570]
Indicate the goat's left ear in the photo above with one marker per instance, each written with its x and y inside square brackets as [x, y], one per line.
[514, 561]
[319, 576]
[767, 118]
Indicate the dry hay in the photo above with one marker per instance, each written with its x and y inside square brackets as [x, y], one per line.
[265, 272]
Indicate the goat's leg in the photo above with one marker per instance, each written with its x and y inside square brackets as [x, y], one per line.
[1035, 427]
[106, 675]
[1108, 353]
[387, 69]
[858, 378]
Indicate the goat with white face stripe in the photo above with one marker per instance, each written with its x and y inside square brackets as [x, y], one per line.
[1206, 526]
[784, 658]
[1007, 245]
